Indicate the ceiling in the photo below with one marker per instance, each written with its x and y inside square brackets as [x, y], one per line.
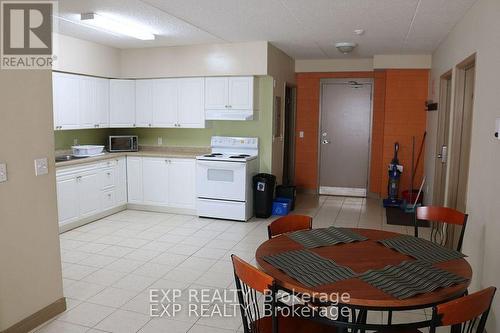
[304, 29]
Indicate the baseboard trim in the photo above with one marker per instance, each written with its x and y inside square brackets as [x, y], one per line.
[343, 191]
[39, 317]
[87, 220]
[162, 209]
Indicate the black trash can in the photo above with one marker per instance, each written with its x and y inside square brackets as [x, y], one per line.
[287, 191]
[263, 194]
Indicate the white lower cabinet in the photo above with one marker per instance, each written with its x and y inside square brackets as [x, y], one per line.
[155, 181]
[89, 191]
[181, 181]
[165, 182]
[67, 199]
[85, 191]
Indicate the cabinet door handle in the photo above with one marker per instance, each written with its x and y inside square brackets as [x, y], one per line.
[109, 173]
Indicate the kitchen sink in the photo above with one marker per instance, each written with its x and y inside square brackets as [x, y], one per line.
[65, 158]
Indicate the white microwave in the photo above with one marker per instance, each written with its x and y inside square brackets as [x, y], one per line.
[120, 143]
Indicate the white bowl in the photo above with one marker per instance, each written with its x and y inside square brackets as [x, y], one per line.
[87, 150]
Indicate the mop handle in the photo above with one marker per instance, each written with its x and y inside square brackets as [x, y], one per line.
[418, 194]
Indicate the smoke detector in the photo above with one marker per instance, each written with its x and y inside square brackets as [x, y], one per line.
[345, 47]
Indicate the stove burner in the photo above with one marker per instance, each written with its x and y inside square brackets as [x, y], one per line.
[213, 155]
[239, 156]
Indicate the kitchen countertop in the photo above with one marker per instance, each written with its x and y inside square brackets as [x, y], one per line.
[144, 151]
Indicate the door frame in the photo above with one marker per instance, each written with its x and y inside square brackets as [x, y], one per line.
[443, 131]
[457, 135]
[293, 125]
[322, 83]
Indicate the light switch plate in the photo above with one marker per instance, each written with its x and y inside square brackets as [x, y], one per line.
[301, 134]
[160, 141]
[3, 172]
[41, 166]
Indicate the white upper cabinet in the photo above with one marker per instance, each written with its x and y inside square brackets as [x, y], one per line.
[122, 103]
[102, 102]
[144, 103]
[191, 111]
[80, 101]
[230, 98]
[216, 93]
[66, 100]
[87, 102]
[165, 102]
[240, 93]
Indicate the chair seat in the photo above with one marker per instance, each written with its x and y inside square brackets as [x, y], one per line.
[293, 325]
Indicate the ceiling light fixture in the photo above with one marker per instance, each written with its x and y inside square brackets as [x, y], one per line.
[359, 32]
[345, 47]
[116, 27]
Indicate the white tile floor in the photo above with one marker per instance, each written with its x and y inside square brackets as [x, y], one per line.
[110, 265]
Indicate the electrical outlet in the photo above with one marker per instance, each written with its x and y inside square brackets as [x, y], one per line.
[160, 141]
[3, 172]
[75, 142]
[41, 166]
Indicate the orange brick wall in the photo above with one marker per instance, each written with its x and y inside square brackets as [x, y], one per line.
[398, 113]
[405, 117]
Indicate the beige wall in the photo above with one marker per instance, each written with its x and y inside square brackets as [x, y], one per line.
[478, 31]
[30, 262]
[80, 56]
[334, 65]
[195, 60]
[282, 68]
[402, 61]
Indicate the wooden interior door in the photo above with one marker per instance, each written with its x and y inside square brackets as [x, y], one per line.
[442, 142]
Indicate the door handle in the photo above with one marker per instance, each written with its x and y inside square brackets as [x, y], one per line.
[443, 154]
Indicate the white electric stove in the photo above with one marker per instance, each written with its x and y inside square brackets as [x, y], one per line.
[224, 178]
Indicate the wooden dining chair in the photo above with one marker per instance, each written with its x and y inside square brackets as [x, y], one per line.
[251, 283]
[289, 223]
[466, 314]
[442, 215]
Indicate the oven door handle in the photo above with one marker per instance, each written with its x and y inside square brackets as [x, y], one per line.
[221, 165]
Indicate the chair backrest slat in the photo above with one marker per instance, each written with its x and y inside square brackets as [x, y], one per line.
[252, 276]
[466, 310]
[250, 281]
[443, 215]
[289, 223]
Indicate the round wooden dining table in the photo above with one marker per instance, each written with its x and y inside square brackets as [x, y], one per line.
[361, 257]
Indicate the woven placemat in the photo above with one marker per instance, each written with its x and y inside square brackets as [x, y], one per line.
[421, 249]
[410, 278]
[309, 268]
[325, 237]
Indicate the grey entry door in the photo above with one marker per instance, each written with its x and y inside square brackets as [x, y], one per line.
[346, 109]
